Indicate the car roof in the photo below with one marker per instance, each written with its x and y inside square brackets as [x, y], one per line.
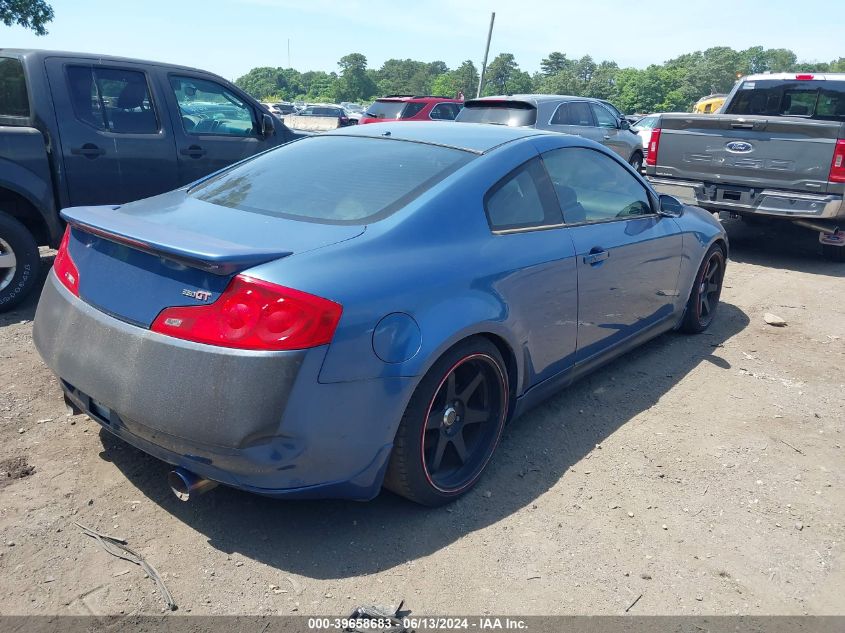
[535, 99]
[38, 55]
[472, 137]
[416, 97]
[787, 76]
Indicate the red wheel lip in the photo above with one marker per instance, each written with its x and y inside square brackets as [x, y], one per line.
[506, 403]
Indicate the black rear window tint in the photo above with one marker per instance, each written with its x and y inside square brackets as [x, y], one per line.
[14, 101]
[333, 179]
[386, 109]
[777, 97]
[511, 113]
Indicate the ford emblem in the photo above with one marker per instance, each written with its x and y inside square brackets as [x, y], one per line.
[739, 147]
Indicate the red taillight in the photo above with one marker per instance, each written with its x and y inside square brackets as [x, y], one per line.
[837, 165]
[254, 314]
[64, 267]
[805, 77]
[653, 146]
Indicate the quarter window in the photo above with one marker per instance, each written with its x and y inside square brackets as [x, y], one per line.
[14, 101]
[112, 99]
[206, 107]
[573, 113]
[411, 109]
[522, 200]
[445, 111]
[592, 187]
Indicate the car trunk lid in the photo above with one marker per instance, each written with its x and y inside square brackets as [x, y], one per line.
[174, 250]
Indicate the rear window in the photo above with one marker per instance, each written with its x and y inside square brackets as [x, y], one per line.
[333, 179]
[386, 109]
[812, 99]
[510, 113]
[14, 101]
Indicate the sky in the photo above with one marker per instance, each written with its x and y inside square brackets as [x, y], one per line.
[228, 37]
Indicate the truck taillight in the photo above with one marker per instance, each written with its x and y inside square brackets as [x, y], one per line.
[837, 165]
[63, 266]
[254, 314]
[653, 146]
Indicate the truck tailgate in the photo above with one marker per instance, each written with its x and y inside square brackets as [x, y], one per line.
[754, 151]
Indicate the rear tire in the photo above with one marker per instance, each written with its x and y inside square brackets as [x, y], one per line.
[19, 262]
[705, 293]
[452, 425]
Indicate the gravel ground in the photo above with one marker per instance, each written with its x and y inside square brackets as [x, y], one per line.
[703, 473]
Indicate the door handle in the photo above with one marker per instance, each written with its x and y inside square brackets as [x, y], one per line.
[89, 150]
[194, 151]
[596, 256]
[607, 137]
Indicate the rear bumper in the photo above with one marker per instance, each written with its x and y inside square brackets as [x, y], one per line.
[771, 202]
[258, 421]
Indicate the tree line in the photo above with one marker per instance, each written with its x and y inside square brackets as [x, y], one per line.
[674, 85]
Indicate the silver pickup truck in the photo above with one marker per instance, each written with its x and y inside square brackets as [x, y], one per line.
[775, 149]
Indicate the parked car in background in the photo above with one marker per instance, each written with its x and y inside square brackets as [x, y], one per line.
[78, 129]
[709, 104]
[582, 116]
[412, 108]
[775, 151]
[445, 323]
[329, 111]
[354, 111]
[284, 108]
[643, 127]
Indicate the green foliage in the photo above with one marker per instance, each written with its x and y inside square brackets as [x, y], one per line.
[30, 14]
[674, 85]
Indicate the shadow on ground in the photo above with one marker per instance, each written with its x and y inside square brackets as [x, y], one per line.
[337, 539]
[778, 245]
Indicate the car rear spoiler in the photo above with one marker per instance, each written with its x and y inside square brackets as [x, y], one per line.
[194, 249]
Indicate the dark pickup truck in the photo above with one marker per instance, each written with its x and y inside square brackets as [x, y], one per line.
[79, 129]
[775, 151]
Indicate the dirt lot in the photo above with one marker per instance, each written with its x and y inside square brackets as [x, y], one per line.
[705, 473]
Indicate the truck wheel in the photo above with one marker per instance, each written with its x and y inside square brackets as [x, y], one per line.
[833, 253]
[19, 262]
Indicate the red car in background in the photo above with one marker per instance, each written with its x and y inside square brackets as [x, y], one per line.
[412, 108]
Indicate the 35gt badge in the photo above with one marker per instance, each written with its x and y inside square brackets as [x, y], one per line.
[739, 147]
[199, 295]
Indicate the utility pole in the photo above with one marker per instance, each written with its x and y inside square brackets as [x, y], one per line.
[288, 52]
[486, 52]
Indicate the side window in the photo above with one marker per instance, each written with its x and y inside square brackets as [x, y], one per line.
[604, 116]
[445, 111]
[14, 101]
[573, 113]
[411, 109]
[112, 99]
[206, 107]
[592, 187]
[521, 200]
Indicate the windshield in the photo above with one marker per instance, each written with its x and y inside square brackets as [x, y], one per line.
[386, 109]
[14, 101]
[812, 99]
[510, 113]
[333, 179]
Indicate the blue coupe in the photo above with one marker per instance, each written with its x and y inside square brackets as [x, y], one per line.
[367, 307]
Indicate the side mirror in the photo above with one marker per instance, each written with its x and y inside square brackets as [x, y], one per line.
[267, 127]
[670, 207]
[624, 124]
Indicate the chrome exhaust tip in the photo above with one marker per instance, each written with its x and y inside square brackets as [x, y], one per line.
[186, 485]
